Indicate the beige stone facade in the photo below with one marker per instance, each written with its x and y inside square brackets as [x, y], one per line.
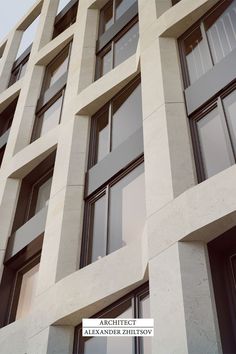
[182, 215]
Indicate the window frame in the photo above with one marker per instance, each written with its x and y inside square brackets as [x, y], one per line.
[215, 102]
[18, 64]
[135, 297]
[11, 281]
[198, 24]
[87, 237]
[117, 30]
[65, 18]
[92, 160]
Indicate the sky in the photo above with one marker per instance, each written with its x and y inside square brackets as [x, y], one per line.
[11, 12]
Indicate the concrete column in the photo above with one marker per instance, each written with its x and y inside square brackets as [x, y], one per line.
[168, 157]
[182, 301]
[52, 340]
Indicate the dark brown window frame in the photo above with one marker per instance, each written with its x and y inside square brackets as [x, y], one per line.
[107, 39]
[135, 297]
[199, 24]
[65, 18]
[30, 184]
[49, 95]
[215, 102]
[10, 285]
[39, 113]
[18, 64]
[6, 116]
[87, 240]
[94, 121]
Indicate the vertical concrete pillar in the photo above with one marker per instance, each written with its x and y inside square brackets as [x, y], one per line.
[168, 156]
[181, 301]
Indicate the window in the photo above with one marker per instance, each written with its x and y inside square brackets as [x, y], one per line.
[6, 118]
[49, 107]
[222, 256]
[117, 121]
[66, 16]
[134, 305]
[209, 41]
[23, 54]
[19, 283]
[208, 52]
[115, 177]
[118, 34]
[116, 215]
[19, 67]
[214, 132]
[34, 193]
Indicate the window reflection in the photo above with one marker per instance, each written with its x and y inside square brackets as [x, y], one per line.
[126, 45]
[27, 292]
[122, 6]
[221, 30]
[50, 118]
[215, 149]
[127, 209]
[43, 195]
[197, 55]
[230, 111]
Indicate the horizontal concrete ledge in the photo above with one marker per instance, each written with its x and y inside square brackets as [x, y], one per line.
[183, 15]
[10, 94]
[26, 233]
[200, 214]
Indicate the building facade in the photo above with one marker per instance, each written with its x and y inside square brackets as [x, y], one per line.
[117, 177]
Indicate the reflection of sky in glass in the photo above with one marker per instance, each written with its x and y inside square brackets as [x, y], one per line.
[28, 37]
[62, 4]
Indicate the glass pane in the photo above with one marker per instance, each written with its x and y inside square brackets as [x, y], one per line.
[27, 292]
[23, 70]
[146, 342]
[50, 119]
[197, 55]
[99, 236]
[28, 37]
[122, 6]
[102, 135]
[127, 209]
[62, 4]
[106, 63]
[107, 17]
[118, 345]
[230, 110]
[96, 345]
[221, 30]
[216, 153]
[127, 115]
[126, 45]
[58, 69]
[43, 195]
[112, 345]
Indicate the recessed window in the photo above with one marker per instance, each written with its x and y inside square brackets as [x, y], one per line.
[134, 305]
[118, 34]
[48, 118]
[56, 69]
[214, 135]
[116, 215]
[19, 67]
[212, 39]
[117, 121]
[67, 12]
[27, 279]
